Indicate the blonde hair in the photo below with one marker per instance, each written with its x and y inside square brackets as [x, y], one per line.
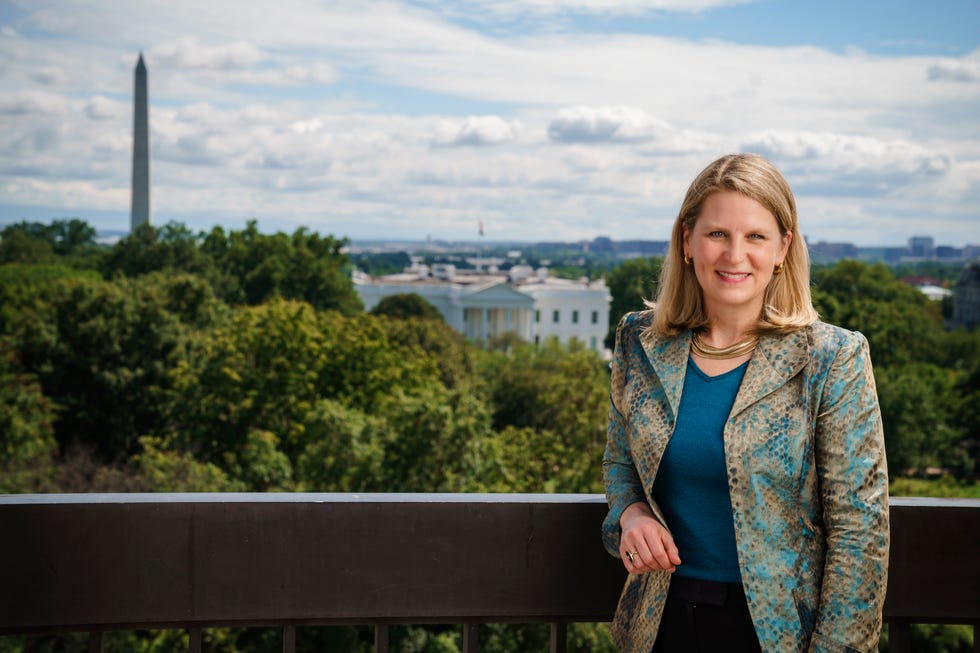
[787, 305]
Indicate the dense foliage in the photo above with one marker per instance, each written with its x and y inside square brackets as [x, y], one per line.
[174, 361]
[927, 377]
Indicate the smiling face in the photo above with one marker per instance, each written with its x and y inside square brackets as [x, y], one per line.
[735, 244]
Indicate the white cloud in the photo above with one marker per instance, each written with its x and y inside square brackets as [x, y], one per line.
[871, 163]
[54, 21]
[50, 76]
[599, 124]
[239, 62]
[965, 69]
[648, 135]
[853, 150]
[73, 194]
[319, 72]
[477, 130]
[189, 53]
[32, 103]
[102, 108]
[524, 8]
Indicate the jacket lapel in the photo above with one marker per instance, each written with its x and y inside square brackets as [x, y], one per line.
[777, 359]
[668, 356]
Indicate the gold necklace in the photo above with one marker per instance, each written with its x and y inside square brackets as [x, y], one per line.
[705, 350]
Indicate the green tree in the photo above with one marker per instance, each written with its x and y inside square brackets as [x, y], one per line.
[901, 324]
[163, 468]
[71, 236]
[434, 431]
[439, 343]
[918, 409]
[630, 284]
[27, 444]
[259, 464]
[257, 267]
[256, 372]
[923, 372]
[23, 288]
[379, 263]
[945, 273]
[151, 249]
[935, 638]
[35, 242]
[18, 246]
[345, 450]
[102, 353]
[550, 408]
[966, 418]
[405, 305]
[297, 374]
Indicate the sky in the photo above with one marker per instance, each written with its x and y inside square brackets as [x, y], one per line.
[542, 120]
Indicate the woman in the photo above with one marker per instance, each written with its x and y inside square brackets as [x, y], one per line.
[745, 464]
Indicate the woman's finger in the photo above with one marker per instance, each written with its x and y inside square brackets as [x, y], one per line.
[660, 551]
[672, 553]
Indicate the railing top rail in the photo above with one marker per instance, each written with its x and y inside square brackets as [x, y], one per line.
[944, 502]
[297, 497]
[376, 497]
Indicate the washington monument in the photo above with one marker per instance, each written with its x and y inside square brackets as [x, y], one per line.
[140, 213]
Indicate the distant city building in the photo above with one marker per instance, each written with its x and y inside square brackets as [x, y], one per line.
[934, 292]
[140, 212]
[922, 247]
[828, 252]
[484, 304]
[504, 254]
[894, 254]
[600, 245]
[966, 297]
[636, 248]
[566, 309]
[931, 288]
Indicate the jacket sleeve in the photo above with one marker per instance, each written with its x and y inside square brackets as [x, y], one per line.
[850, 456]
[619, 475]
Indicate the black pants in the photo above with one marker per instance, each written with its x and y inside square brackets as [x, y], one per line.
[703, 616]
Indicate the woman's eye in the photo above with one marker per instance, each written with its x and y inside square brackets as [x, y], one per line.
[716, 234]
[757, 236]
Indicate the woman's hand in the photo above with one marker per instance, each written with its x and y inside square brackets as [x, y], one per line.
[645, 544]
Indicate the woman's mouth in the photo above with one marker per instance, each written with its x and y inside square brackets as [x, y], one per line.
[733, 276]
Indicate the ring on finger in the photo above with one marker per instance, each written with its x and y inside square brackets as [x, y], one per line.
[629, 556]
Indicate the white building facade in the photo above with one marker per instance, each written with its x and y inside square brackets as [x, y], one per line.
[481, 306]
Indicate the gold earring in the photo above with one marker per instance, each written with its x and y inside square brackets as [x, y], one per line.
[688, 261]
[778, 269]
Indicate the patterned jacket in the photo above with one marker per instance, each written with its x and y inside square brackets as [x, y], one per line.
[806, 473]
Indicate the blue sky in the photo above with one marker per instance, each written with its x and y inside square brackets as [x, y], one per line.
[543, 119]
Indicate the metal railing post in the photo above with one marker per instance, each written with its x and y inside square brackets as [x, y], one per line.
[382, 633]
[194, 640]
[471, 637]
[899, 636]
[559, 637]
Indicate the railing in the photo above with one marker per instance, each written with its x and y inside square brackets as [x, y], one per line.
[106, 562]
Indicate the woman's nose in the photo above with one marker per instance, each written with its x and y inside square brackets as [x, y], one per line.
[735, 250]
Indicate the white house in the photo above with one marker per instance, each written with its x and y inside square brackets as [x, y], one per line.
[481, 305]
[568, 309]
